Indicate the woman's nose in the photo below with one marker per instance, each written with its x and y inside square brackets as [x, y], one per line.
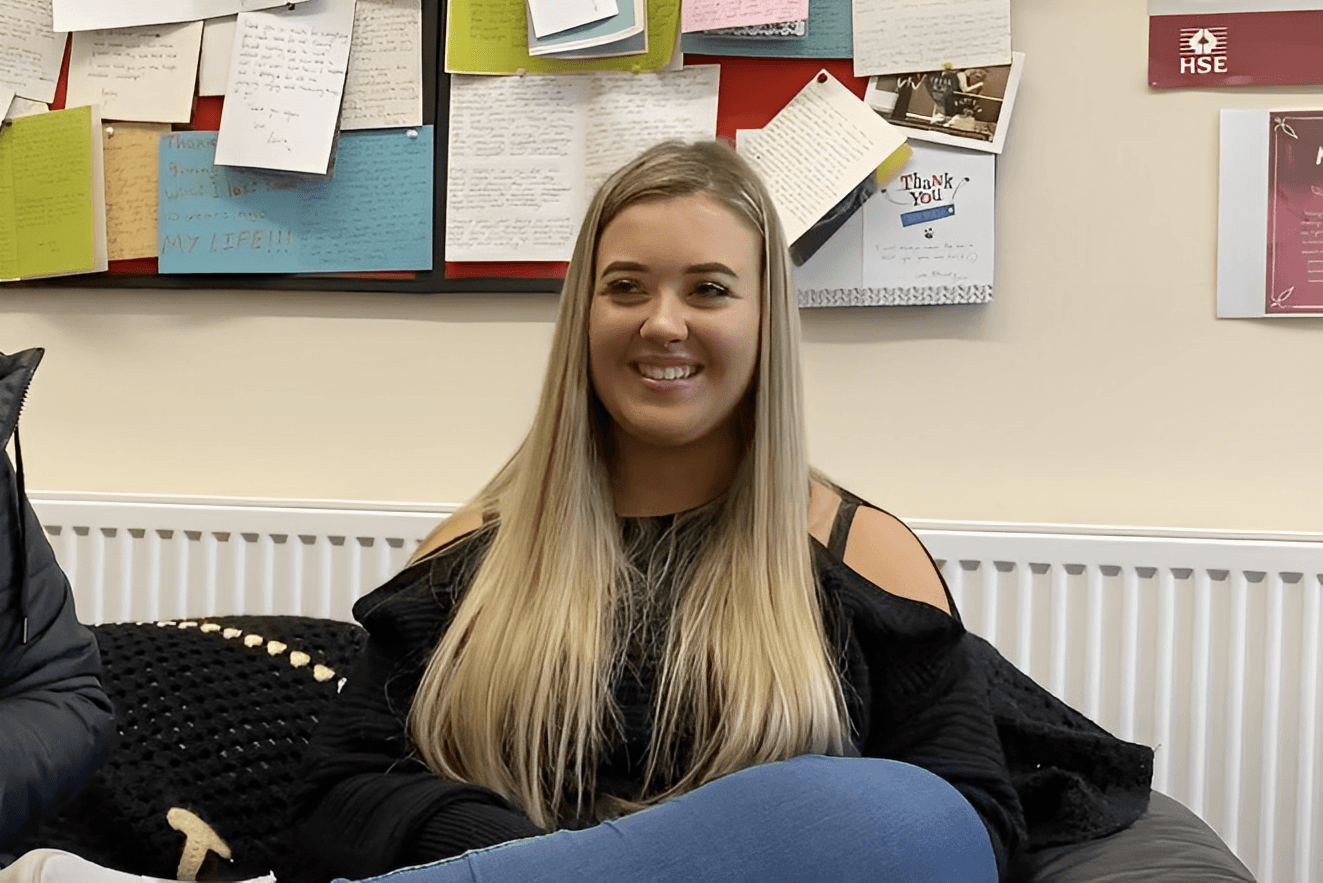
[666, 321]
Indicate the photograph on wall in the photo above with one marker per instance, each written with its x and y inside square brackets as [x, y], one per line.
[961, 107]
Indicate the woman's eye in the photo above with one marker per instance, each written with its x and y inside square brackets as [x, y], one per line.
[710, 290]
[621, 286]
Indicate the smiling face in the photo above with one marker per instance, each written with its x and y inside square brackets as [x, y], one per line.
[673, 324]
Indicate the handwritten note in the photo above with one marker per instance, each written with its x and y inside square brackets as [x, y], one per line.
[896, 36]
[130, 151]
[548, 17]
[706, 15]
[629, 113]
[818, 148]
[927, 238]
[287, 76]
[514, 188]
[374, 214]
[92, 15]
[217, 48]
[24, 107]
[52, 195]
[938, 220]
[526, 153]
[144, 74]
[384, 85]
[31, 50]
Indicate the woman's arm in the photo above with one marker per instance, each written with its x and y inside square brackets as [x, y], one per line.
[916, 697]
[369, 805]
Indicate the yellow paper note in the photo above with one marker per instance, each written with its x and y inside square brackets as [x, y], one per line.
[53, 191]
[132, 172]
[8, 223]
[491, 37]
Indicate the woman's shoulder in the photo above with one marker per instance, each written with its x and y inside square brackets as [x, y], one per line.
[429, 587]
[462, 523]
[875, 545]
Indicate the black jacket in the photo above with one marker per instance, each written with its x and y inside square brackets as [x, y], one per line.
[55, 720]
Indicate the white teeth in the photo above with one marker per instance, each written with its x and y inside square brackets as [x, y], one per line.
[653, 372]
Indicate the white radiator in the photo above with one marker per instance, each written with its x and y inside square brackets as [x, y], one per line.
[133, 559]
[1203, 645]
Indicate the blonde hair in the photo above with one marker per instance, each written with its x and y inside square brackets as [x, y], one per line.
[517, 695]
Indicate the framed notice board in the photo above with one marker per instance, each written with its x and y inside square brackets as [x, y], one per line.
[752, 91]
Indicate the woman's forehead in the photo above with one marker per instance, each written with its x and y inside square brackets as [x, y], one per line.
[695, 224]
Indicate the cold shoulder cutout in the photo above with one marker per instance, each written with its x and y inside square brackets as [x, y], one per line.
[879, 547]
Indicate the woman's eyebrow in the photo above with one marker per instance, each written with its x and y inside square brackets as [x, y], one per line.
[712, 267]
[692, 269]
[622, 266]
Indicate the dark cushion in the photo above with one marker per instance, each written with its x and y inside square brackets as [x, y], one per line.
[213, 717]
[1168, 844]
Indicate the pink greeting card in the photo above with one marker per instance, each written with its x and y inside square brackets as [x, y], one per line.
[1295, 213]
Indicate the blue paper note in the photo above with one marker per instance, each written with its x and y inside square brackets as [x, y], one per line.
[374, 213]
[830, 35]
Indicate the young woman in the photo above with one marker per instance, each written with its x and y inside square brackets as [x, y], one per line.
[655, 632]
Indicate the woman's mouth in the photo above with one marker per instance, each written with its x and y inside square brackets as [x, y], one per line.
[667, 372]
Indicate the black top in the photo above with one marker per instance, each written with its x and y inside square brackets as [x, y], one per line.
[918, 689]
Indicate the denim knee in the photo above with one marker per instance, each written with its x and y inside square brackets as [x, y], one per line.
[883, 809]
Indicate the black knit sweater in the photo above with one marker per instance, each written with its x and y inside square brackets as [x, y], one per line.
[918, 689]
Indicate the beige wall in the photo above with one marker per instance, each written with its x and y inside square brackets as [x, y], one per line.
[1097, 388]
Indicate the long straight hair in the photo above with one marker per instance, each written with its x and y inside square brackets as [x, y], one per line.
[517, 694]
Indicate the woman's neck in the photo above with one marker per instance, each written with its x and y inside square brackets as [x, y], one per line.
[647, 480]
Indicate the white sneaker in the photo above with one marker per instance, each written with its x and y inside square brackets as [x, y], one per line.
[58, 866]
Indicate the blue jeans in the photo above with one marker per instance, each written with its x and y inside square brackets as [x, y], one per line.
[806, 819]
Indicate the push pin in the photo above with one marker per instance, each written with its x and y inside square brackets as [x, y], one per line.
[110, 131]
[412, 133]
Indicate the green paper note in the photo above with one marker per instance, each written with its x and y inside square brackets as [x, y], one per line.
[49, 200]
[8, 224]
[491, 37]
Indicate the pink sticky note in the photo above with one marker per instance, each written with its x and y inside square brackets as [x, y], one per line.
[704, 15]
